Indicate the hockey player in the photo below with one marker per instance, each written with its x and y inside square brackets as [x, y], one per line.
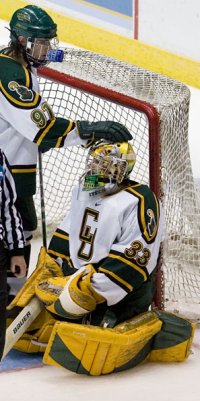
[11, 239]
[97, 319]
[27, 122]
[110, 240]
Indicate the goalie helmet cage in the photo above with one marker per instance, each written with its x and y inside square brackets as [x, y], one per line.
[155, 108]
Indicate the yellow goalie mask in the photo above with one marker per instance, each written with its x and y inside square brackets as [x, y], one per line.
[108, 164]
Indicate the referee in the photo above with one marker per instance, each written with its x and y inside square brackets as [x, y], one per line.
[11, 240]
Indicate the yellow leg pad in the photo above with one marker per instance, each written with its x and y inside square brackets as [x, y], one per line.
[173, 342]
[46, 268]
[94, 350]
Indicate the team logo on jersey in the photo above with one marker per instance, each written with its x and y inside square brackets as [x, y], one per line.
[24, 93]
[151, 225]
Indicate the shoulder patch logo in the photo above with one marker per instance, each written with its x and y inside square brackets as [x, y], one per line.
[24, 93]
[151, 226]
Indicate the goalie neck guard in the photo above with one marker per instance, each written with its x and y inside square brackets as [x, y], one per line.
[107, 165]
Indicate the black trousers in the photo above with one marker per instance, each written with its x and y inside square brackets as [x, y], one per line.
[3, 296]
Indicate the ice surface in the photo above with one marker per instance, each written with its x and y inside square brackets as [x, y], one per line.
[148, 381]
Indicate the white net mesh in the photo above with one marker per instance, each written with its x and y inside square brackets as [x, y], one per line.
[159, 106]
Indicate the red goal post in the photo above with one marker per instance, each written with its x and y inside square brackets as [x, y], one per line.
[155, 109]
[123, 100]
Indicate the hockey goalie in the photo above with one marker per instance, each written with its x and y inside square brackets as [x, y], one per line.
[97, 278]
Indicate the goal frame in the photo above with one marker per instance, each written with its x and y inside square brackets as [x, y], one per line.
[154, 141]
[123, 100]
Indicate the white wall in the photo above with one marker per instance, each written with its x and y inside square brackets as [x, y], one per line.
[172, 25]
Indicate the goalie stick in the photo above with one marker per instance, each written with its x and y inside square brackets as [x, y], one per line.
[42, 203]
[21, 323]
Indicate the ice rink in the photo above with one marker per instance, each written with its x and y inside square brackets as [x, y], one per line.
[149, 381]
[152, 382]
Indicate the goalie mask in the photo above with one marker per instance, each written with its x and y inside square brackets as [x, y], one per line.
[107, 165]
[39, 33]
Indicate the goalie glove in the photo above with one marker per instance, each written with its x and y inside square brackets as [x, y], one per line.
[109, 130]
[71, 297]
[46, 267]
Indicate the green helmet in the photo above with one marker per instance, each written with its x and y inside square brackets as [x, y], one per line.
[32, 22]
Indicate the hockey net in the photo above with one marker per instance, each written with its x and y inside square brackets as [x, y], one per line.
[89, 86]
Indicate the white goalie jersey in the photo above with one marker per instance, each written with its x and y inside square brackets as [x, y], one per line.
[119, 235]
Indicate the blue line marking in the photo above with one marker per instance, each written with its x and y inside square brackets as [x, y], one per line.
[16, 360]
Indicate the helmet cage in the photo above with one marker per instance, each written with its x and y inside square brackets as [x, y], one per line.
[108, 167]
[108, 164]
[36, 50]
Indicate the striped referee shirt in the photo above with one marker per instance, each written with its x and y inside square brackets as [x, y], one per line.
[11, 230]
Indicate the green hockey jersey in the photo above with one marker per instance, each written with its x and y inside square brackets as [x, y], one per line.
[28, 122]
